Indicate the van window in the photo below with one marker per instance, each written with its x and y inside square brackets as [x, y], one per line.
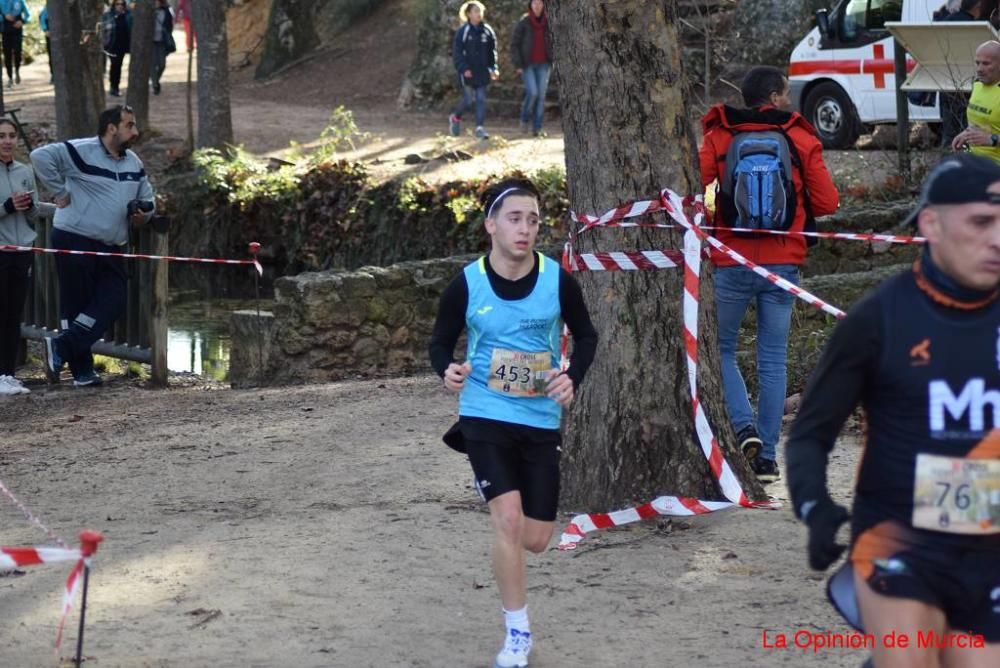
[867, 15]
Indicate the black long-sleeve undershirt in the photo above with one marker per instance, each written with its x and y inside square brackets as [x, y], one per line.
[835, 389]
[455, 299]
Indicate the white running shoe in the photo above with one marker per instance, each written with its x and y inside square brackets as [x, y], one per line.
[515, 650]
[10, 385]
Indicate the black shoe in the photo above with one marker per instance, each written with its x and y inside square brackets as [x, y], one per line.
[114, 93]
[766, 470]
[750, 443]
[156, 89]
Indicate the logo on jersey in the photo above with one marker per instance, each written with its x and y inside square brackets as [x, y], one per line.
[995, 597]
[920, 354]
[534, 323]
[970, 408]
[484, 310]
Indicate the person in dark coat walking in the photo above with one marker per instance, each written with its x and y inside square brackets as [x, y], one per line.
[531, 51]
[474, 52]
[116, 32]
[163, 41]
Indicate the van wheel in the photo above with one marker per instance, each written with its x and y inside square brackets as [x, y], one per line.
[830, 111]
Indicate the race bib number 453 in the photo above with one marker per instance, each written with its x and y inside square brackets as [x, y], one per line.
[519, 374]
[957, 495]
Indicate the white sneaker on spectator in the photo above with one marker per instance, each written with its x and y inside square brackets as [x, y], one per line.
[10, 385]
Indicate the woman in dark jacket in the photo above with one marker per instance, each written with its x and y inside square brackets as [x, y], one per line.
[474, 52]
[531, 51]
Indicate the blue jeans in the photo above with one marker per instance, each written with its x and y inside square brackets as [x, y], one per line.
[536, 83]
[735, 288]
[468, 92]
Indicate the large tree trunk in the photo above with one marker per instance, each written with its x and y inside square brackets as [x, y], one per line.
[140, 62]
[77, 67]
[630, 435]
[215, 122]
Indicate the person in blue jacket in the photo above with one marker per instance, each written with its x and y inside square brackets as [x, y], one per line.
[15, 15]
[474, 52]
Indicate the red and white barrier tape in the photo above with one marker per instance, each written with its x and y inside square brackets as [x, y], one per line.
[580, 525]
[847, 236]
[167, 258]
[674, 206]
[627, 260]
[632, 210]
[37, 523]
[13, 557]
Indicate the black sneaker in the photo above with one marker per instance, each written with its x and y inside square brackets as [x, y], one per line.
[750, 443]
[766, 470]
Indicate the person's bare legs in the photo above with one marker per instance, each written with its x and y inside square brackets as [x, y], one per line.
[512, 534]
[986, 657]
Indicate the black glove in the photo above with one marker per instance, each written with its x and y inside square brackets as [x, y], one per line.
[823, 520]
[8, 205]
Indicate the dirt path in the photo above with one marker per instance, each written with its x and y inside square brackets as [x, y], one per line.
[330, 527]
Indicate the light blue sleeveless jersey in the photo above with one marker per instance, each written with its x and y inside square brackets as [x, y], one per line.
[529, 325]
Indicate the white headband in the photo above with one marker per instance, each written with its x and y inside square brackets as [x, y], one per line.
[489, 212]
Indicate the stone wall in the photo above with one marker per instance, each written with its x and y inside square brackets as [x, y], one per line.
[378, 321]
[335, 325]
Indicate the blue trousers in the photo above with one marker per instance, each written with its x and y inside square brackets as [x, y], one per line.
[536, 83]
[93, 293]
[470, 94]
[735, 288]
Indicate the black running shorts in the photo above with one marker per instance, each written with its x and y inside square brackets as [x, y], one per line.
[507, 457]
[964, 584]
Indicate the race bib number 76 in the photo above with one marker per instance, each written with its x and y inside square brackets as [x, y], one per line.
[957, 495]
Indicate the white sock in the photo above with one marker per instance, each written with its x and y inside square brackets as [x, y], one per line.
[517, 619]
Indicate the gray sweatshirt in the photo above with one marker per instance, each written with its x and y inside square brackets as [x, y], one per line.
[99, 186]
[17, 229]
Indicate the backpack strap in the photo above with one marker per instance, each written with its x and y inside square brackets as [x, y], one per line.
[793, 151]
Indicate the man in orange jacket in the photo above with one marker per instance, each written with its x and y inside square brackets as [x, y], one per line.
[741, 146]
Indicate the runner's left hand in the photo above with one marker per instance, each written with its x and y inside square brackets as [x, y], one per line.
[560, 388]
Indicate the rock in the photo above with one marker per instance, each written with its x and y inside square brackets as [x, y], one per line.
[250, 358]
[415, 159]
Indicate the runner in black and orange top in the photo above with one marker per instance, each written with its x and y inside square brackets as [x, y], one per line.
[921, 354]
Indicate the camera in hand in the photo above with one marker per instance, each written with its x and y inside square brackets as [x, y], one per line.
[139, 206]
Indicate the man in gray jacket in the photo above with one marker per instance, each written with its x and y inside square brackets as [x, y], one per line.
[100, 188]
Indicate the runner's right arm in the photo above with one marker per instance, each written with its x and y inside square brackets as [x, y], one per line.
[449, 324]
[848, 365]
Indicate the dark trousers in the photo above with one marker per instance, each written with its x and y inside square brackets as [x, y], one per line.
[13, 289]
[115, 76]
[12, 40]
[159, 63]
[92, 295]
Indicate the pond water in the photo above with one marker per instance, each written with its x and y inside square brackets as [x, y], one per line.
[198, 338]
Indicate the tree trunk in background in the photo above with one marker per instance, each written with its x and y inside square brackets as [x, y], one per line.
[215, 122]
[630, 436]
[77, 66]
[140, 62]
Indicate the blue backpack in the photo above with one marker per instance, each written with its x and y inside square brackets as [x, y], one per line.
[756, 191]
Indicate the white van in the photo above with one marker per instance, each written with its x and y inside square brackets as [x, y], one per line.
[843, 79]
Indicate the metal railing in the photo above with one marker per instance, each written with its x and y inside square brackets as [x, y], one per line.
[140, 334]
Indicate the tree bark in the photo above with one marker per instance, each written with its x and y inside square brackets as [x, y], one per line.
[630, 435]
[77, 66]
[140, 62]
[215, 122]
